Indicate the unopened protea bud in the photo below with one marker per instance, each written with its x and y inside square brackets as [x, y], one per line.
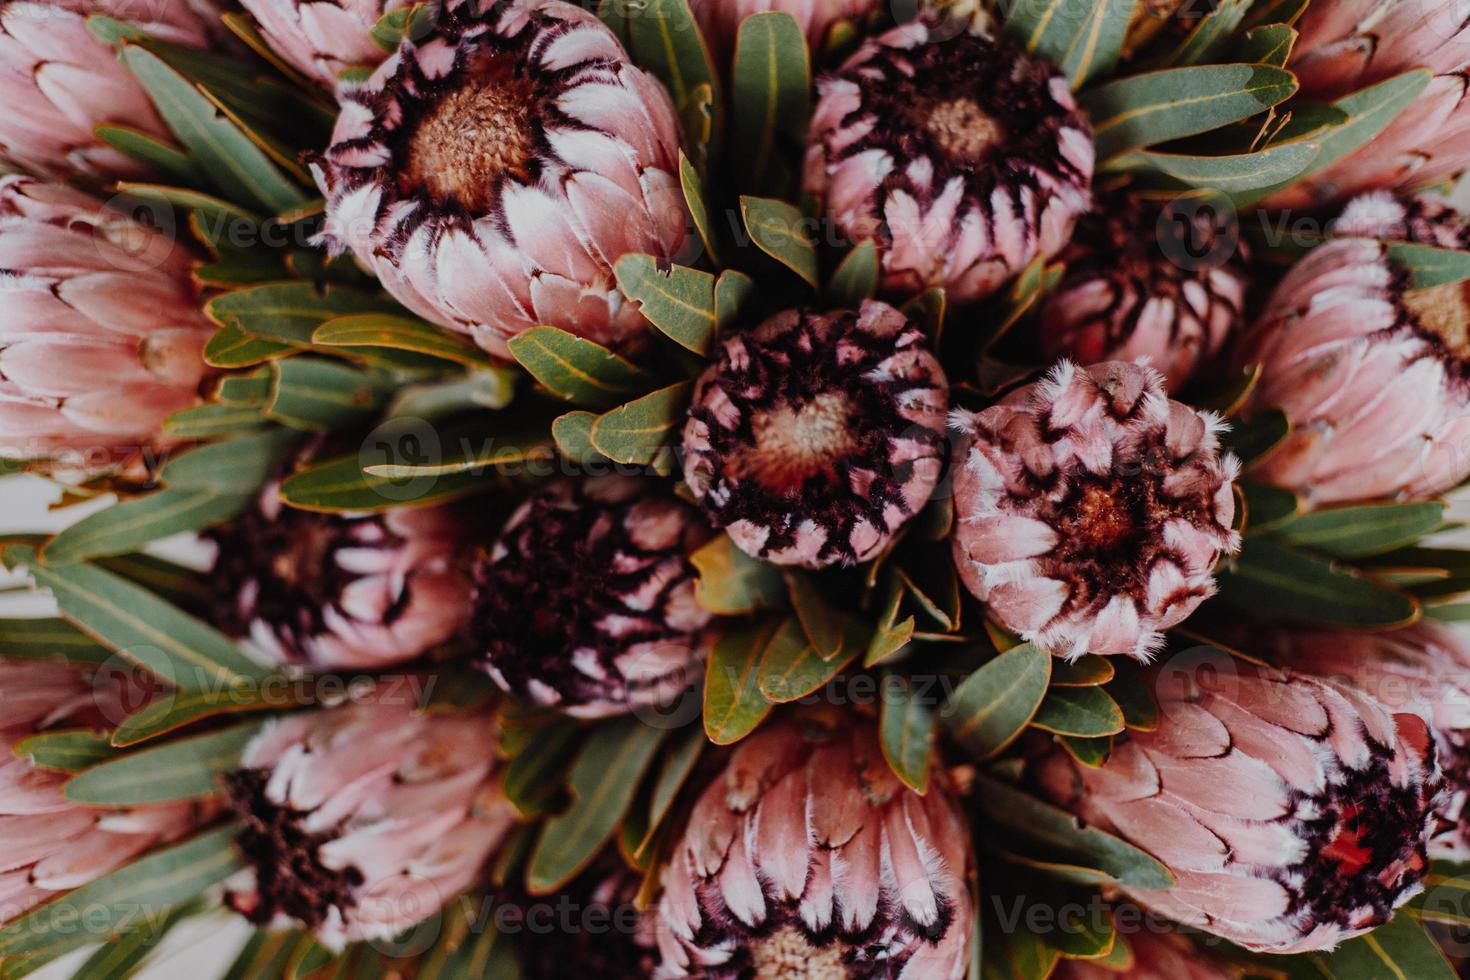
[808, 858]
[49, 844]
[1293, 813]
[340, 592]
[1152, 955]
[58, 82]
[962, 157]
[1423, 669]
[720, 19]
[815, 436]
[1348, 45]
[586, 603]
[1091, 510]
[359, 821]
[101, 335]
[1165, 285]
[323, 38]
[1371, 375]
[493, 172]
[1424, 219]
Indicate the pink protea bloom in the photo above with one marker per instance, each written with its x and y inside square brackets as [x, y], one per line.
[51, 845]
[962, 158]
[58, 82]
[814, 437]
[720, 19]
[101, 334]
[492, 173]
[340, 592]
[586, 602]
[1423, 669]
[1425, 219]
[1152, 955]
[1090, 510]
[1293, 813]
[1348, 45]
[1374, 377]
[807, 857]
[359, 821]
[1130, 293]
[323, 38]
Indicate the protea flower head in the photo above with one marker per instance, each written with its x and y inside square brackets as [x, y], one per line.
[720, 19]
[815, 436]
[1348, 45]
[1153, 955]
[58, 82]
[808, 858]
[1294, 813]
[51, 845]
[586, 602]
[1424, 219]
[340, 592]
[359, 821]
[1423, 669]
[101, 334]
[1374, 377]
[962, 157]
[323, 38]
[493, 172]
[1090, 510]
[1133, 291]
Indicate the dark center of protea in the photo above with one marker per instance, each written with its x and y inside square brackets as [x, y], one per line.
[290, 880]
[794, 443]
[963, 130]
[1444, 312]
[1106, 519]
[479, 130]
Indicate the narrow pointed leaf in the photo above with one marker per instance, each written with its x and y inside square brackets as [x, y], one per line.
[640, 431]
[770, 96]
[780, 230]
[388, 330]
[1084, 712]
[1083, 37]
[1356, 532]
[991, 708]
[822, 622]
[791, 669]
[678, 301]
[576, 369]
[131, 524]
[733, 703]
[906, 728]
[184, 769]
[1271, 581]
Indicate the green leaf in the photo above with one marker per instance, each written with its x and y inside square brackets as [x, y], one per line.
[770, 92]
[1210, 34]
[734, 296]
[892, 635]
[1155, 107]
[1133, 694]
[678, 301]
[665, 39]
[575, 369]
[639, 432]
[534, 777]
[413, 21]
[1255, 438]
[184, 769]
[856, 278]
[242, 464]
[1271, 581]
[320, 394]
[779, 229]
[1428, 266]
[733, 703]
[1266, 507]
[1400, 949]
[142, 627]
[487, 388]
[1065, 838]
[264, 956]
[50, 639]
[732, 583]
[906, 728]
[237, 167]
[158, 155]
[1228, 174]
[123, 957]
[1090, 752]
[110, 906]
[694, 198]
[791, 669]
[396, 332]
[602, 782]
[341, 486]
[572, 434]
[991, 708]
[66, 751]
[213, 421]
[822, 623]
[183, 708]
[677, 768]
[290, 313]
[130, 524]
[1083, 37]
[1356, 532]
[1088, 670]
[231, 347]
[1083, 712]
[524, 437]
[1270, 44]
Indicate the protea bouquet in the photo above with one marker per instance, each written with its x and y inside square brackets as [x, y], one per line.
[735, 489]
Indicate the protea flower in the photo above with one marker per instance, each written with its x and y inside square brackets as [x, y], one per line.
[101, 335]
[720, 19]
[1423, 669]
[1425, 219]
[361, 820]
[337, 592]
[1294, 813]
[963, 160]
[1153, 955]
[815, 436]
[586, 602]
[323, 38]
[493, 172]
[58, 83]
[1135, 288]
[1371, 375]
[51, 845]
[1348, 45]
[807, 857]
[1090, 510]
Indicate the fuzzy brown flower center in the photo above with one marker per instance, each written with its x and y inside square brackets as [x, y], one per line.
[786, 954]
[1445, 312]
[1104, 520]
[793, 443]
[475, 133]
[962, 129]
